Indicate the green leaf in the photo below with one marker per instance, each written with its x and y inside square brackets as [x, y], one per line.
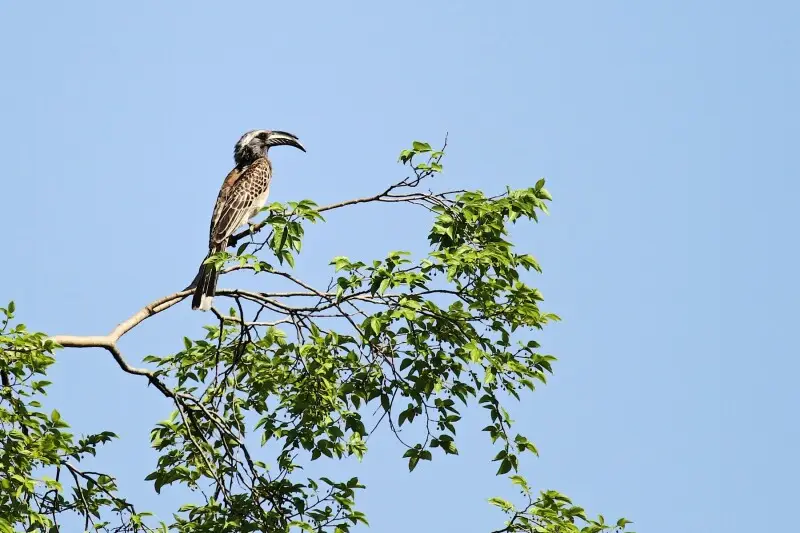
[12, 307]
[340, 262]
[450, 447]
[501, 503]
[375, 325]
[305, 526]
[502, 453]
[421, 147]
[505, 467]
[5, 526]
[516, 479]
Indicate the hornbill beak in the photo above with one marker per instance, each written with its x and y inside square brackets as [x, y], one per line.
[277, 138]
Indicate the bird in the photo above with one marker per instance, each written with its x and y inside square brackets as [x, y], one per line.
[242, 195]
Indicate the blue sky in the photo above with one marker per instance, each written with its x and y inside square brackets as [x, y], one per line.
[668, 134]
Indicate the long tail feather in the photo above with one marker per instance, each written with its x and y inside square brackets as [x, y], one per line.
[206, 287]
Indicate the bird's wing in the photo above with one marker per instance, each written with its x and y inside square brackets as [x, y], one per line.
[236, 198]
[224, 191]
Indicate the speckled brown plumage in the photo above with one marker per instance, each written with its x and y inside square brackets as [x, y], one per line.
[243, 193]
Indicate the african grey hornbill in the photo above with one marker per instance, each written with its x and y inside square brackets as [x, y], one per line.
[244, 192]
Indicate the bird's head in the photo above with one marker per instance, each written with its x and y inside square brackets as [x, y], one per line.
[256, 143]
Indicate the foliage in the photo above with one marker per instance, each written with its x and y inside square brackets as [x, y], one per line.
[284, 378]
[39, 458]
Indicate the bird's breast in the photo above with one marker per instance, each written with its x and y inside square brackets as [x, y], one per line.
[259, 202]
[261, 199]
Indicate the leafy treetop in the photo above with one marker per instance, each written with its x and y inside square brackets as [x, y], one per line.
[283, 378]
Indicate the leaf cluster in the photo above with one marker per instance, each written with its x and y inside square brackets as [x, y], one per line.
[40, 474]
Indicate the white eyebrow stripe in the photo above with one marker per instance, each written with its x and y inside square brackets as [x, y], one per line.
[248, 137]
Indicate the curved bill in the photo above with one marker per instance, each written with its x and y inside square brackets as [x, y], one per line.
[278, 138]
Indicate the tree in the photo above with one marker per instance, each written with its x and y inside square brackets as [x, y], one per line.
[395, 344]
